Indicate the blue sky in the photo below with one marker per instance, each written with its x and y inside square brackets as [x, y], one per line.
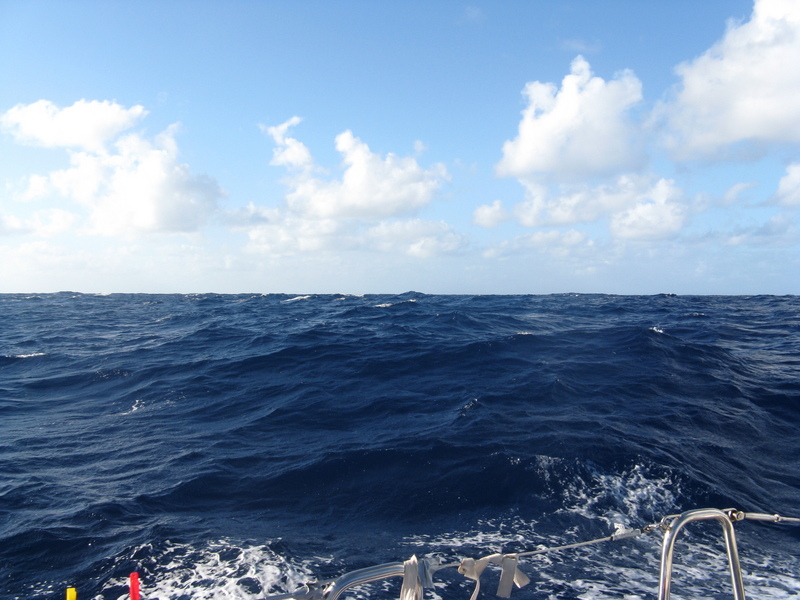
[356, 147]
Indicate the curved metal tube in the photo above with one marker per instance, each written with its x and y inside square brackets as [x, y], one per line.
[668, 548]
[376, 573]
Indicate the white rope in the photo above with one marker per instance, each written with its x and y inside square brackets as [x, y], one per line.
[412, 586]
[417, 575]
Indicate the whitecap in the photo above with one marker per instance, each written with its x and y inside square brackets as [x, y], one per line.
[296, 299]
[138, 403]
[217, 570]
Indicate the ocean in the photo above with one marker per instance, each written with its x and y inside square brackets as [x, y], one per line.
[237, 446]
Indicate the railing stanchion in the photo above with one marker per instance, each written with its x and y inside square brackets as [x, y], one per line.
[668, 548]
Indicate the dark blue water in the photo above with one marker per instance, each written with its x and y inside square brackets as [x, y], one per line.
[235, 446]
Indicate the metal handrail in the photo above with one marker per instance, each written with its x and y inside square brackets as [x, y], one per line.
[367, 575]
[670, 525]
[668, 548]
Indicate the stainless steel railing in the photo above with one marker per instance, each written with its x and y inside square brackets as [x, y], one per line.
[726, 519]
[414, 580]
[668, 548]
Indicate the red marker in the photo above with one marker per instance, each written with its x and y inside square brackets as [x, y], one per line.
[134, 586]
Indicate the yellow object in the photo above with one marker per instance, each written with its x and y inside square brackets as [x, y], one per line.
[72, 594]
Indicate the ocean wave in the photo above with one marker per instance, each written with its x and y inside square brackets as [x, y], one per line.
[30, 355]
[166, 432]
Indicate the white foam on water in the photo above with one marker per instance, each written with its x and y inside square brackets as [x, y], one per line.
[31, 355]
[388, 304]
[629, 568]
[137, 405]
[219, 570]
[600, 571]
[496, 535]
[635, 492]
[295, 299]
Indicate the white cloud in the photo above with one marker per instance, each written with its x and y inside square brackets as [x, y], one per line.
[129, 185]
[278, 232]
[788, 193]
[490, 215]
[659, 215]
[107, 265]
[146, 189]
[554, 242]
[576, 132]
[288, 151]
[371, 186]
[415, 237]
[779, 230]
[743, 88]
[357, 211]
[88, 125]
[637, 207]
[42, 223]
[734, 193]
[579, 203]
[12, 225]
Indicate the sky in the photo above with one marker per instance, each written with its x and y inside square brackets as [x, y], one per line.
[534, 146]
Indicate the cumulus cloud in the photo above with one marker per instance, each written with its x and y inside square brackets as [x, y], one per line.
[657, 215]
[288, 151]
[146, 188]
[279, 232]
[579, 203]
[129, 184]
[637, 207]
[490, 215]
[88, 125]
[361, 209]
[744, 88]
[788, 193]
[371, 186]
[579, 131]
